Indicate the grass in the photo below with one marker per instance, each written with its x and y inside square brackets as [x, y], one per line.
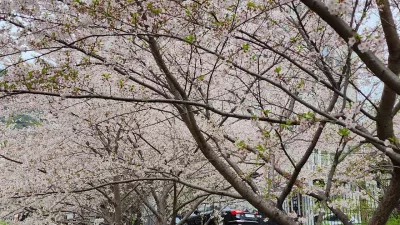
[393, 221]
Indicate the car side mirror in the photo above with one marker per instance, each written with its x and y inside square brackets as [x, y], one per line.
[196, 212]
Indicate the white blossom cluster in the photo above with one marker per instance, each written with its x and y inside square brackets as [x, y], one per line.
[338, 7]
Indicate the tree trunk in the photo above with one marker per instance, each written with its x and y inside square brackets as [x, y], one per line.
[384, 117]
[266, 206]
[389, 201]
[117, 202]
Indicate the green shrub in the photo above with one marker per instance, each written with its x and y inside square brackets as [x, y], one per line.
[393, 221]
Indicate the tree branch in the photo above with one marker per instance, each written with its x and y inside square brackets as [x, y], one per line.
[346, 32]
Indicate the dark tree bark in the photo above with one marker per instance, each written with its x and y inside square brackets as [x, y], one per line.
[117, 202]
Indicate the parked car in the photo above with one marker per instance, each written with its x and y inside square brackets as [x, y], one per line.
[201, 216]
[227, 216]
[239, 217]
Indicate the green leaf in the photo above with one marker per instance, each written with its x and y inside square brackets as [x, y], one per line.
[218, 23]
[134, 18]
[345, 132]
[190, 38]
[357, 37]
[30, 74]
[301, 83]
[3, 143]
[52, 78]
[251, 4]
[241, 144]
[245, 47]
[28, 86]
[201, 77]
[300, 47]
[266, 134]
[260, 148]
[308, 115]
[231, 7]
[278, 69]
[106, 75]
[394, 140]
[154, 10]
[266, 112]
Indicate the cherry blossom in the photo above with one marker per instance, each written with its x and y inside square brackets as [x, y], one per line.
[174, 102]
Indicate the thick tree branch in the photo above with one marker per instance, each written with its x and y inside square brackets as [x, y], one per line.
[171, 101]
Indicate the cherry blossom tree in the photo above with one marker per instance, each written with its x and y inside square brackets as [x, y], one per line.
[248, 87]
[52, 176]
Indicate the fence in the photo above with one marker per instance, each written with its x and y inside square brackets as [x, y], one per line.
[358, 208]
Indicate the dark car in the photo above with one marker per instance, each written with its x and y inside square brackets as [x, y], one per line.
[201, 216]
[239, 217]
[228, 217]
